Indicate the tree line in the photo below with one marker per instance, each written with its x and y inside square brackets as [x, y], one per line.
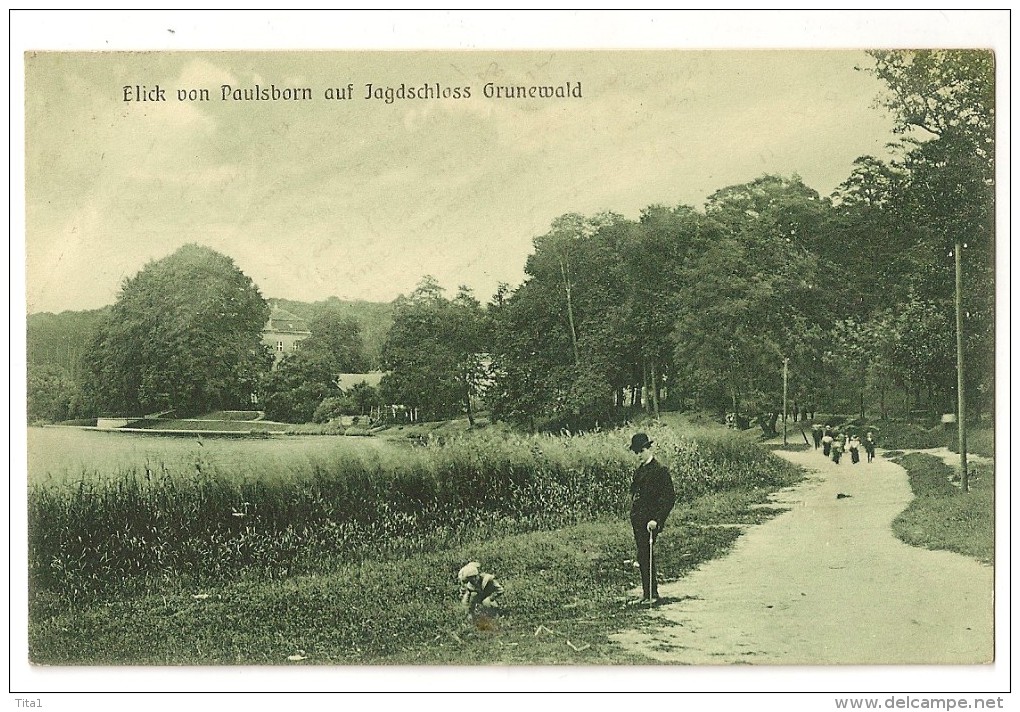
[682, 307]
[699, 307]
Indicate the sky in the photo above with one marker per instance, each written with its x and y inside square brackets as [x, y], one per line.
[359, 198]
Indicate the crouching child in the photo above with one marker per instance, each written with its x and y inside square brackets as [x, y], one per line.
[478, 590]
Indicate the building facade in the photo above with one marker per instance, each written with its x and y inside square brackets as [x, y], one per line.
[283, 332]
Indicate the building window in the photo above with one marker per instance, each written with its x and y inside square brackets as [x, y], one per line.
[279, 346]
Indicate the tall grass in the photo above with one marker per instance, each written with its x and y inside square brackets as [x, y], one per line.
[187, 523]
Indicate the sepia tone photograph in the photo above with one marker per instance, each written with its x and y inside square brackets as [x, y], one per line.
[520, 358]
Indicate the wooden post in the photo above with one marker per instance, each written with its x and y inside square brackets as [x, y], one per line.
[786, 374]
[961, 409]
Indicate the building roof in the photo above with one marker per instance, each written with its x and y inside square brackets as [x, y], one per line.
[281, 320]
[349, 380]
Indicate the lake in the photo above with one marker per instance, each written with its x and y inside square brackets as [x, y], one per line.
[64, 453]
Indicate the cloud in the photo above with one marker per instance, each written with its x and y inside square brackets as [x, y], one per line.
[360, 198]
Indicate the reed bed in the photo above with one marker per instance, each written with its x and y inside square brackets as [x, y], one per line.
[182, 524]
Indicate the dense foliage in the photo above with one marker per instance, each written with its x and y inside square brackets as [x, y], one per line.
[685, 306]
[702, 306]
[184, 335]
[374, 320]
[52, 394]
[433, 352]
[295, 391]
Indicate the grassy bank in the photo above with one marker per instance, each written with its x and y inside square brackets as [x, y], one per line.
[941, 516]
[355, 557]
[980, 441]
[895, 435]
[154, 523]
[566, 590]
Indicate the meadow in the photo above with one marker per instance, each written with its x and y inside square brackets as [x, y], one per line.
[313, 534]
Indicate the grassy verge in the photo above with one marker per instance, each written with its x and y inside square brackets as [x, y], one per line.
[941, 516]
[908, 436]
[980, 441]
[566, 590]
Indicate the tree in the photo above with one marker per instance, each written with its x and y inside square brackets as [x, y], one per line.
[561, 343]
[364, 398]
[947, 93]
[338, 339]
[183, 335]
[876, 243]
[468, 338]
[52, 394]
[433, 352]
[923, 355]
[750, 297]
[300, 382]
[306, 377]
[654, 257]
[944, 105]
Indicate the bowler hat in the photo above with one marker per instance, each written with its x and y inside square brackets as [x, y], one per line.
[639, 442]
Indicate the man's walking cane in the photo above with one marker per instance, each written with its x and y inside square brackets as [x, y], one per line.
[652, 584]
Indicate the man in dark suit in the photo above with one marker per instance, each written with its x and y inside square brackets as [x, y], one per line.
[652, 498]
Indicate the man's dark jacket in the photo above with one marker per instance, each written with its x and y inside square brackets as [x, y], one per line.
[651, 493]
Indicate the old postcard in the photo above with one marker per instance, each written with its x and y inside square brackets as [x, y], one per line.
[475, 358]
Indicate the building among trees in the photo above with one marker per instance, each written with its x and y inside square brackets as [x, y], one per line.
[283, 332]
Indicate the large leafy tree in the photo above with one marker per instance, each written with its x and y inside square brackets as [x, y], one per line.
[434, 352]
[944, 105]
[654, 258]
[183, 335]
[751, 296]
[563, 344]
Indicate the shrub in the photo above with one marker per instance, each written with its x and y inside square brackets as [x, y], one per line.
[980, 441]
[330, 409]
[908, 436]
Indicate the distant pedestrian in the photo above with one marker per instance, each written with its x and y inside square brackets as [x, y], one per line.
[827, 441]
[838, 443]
[652, 497]
[869, 445]
[816, 435]
[478, 590]
[854, 444]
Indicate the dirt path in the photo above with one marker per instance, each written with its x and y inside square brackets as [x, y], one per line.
[827, 583]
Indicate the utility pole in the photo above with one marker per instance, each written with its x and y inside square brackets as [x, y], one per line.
[786, 377]
[961, 410]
